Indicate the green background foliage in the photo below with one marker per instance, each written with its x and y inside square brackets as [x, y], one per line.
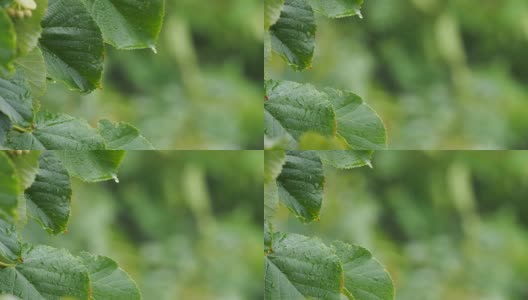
[441, 74]
[201, 90]
[183, 224]
[446, 225]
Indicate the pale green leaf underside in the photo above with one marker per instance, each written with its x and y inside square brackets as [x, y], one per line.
[28, 29]
[273, 161]
[7, 42]
[337, 8]
[301, 183]
[299, 267]
[346, 159]
[293, 35]
[26, 165]
[92, 166]
[293, 109]
[123, 136]
[365, 277]
[128, 24]
[56, 132]
[9, 186]
[357, 123]
[272, 10]
[271, 199]
[108, 281]
[72, 45]
[48, 198]
[10, 247]
[33, 67]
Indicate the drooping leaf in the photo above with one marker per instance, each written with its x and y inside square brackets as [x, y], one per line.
[46, 273]
[72, 45]
[92, 166]
[48, 199]
[365, 277]
[15, 99]
[9, 186]
[346, 159]
[128, 24]
[357, 123]
[56, 132]
[123, 136]
[337, 8]
[300, 184]
[293, 35]
[28, 29]
[26, 165]
[293, 109]
[300, 267]
[7, 43]
[33, 67]
[272, 10]
[108, 281]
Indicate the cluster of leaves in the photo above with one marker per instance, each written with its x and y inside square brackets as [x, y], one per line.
[298, 267]
[63, 40]
[36, 184]
[300, 116]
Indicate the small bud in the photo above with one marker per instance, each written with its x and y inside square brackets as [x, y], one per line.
[11, 11]
[28, 13]
[20, 14]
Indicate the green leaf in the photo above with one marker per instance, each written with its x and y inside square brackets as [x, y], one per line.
[300, 267]
[28, 29]
[7, 42]
[9, 187]
[108, 281]
[271, 199]
[346, 159]
[46, 273]
[48, 199]
[92, 166]
[72, 45]
[33, 67]
[26, 165]
[128, 24]
[273, 161]
[301, 184]
[56, 132]
[5, 125]
[365, 277]
[337, 8]
[123, 136]
[293, 35]
[293, 109]
[272, 10]
[312, 140]
[10, 247]
[15, 99]
[357, 123]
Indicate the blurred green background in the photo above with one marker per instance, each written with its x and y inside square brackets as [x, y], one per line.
[442, 74]
[203, 88]
[185, 225]
[447, 225]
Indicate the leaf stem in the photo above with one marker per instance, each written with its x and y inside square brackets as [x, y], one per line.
[348, 294]
[21, 129]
